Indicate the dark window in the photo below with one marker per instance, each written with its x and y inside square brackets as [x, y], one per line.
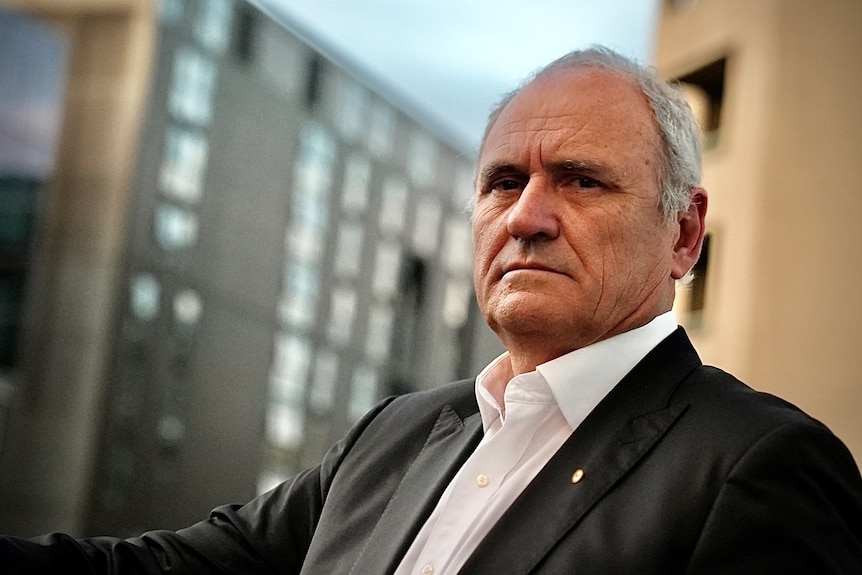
[697, 297]
[245, 33]
[315, 77]
[18, 203]
[705, 88]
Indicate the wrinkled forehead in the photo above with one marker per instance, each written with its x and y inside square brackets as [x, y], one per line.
[585, 105]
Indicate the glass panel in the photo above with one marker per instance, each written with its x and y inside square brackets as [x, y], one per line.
[363, 392]
[171, 11]
[380, 319]
[188, 307]
[426, 229]
[193, 84]
[281, 57]
[284, 426]
[214, 23]
[422, 153]
[352, 106]
[145, 295]
[269, 479]
[290, 369]
[299, 296]
[183, 166]
[458, 251]
[463, 187]
[393, 205]
[341, 313]
[387, 268]
[314, 168]
[357, 177]
[381, 130]
[175, 227]
[323, 381]
[348, 256]
[456, 302]
[311, 211]
[303, 242]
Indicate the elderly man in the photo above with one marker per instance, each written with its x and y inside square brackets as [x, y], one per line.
[599, 443]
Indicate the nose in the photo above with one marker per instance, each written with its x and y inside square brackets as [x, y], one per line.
[534, 214]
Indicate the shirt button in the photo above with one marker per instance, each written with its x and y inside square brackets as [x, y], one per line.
[482, 480]
[428, 570]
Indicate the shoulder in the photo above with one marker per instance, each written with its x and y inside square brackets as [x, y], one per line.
[422, 408]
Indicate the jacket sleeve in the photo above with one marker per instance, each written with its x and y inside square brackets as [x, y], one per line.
[271, 534]
[791, 504]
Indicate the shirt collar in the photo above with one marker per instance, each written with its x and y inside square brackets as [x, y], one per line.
[580, 379]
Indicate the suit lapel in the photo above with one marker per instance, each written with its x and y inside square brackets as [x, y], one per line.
[449, 444]
[612, 439]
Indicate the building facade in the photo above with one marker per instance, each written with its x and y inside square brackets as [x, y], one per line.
[777, 86]
[293, 247]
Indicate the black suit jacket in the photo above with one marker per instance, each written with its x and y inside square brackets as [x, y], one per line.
[685, 470]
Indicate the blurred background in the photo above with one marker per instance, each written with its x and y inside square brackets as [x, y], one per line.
[228, 228]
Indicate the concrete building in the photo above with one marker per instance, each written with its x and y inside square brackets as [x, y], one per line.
[778, 87]
[247, 242]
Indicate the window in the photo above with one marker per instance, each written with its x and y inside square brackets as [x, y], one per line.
[290, 369]
[171, 11]
[348, 255]
[175, 227]
[456, 302]
[381, 130]
[192, 87]
[314, 166]
[351, 109]
[363, 391]
[422, 155]
[457, 251]
[213, 24]
[299, 295]
[357, 177]
[426, 229]
[380, 319]
[144, 296]
[285, 425]
[323, 381]
[314, 82]
[387, 266]
[691, 293]
[393, 205]
[281, 58]
[704, 89]
[463, 189]
[184, 164]
[341, 314]
[188, 307]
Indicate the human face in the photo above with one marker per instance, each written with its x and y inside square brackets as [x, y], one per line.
[570, 243]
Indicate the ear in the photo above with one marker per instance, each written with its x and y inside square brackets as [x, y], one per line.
[691, 229]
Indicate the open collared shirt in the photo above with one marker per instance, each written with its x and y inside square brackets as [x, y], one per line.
[539, 411]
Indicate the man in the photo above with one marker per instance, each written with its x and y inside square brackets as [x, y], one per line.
[598, 444]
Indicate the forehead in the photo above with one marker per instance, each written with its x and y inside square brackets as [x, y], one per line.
[583, 111]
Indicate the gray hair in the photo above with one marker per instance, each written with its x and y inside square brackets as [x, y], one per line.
[680, 154]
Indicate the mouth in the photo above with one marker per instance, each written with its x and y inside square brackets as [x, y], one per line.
[530, 267]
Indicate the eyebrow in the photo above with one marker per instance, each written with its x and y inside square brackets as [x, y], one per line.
[585, 167]
[495, 170]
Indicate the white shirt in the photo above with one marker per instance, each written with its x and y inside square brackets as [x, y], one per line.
[540, 411]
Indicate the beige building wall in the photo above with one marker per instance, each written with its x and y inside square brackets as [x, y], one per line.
[78, 257]
[783, 304]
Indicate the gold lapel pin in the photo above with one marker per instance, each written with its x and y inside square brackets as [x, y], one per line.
[577, 475]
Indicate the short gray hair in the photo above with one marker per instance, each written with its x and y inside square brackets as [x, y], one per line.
[680, 154]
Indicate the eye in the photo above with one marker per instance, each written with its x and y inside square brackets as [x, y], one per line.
[586, 182]
[505, 185]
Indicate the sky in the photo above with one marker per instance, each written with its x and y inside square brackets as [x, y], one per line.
[454, 59]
